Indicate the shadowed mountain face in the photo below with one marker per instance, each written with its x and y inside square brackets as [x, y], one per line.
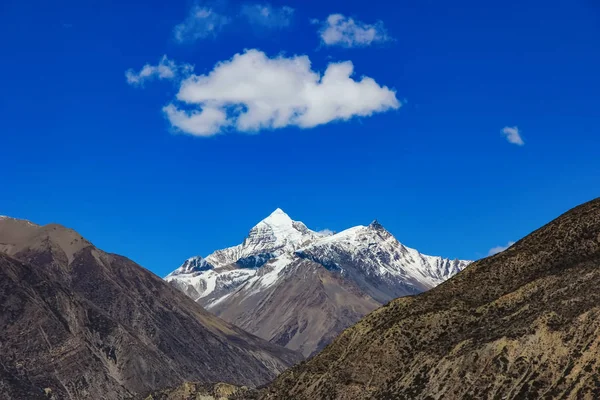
[81, 323]
[522, 324]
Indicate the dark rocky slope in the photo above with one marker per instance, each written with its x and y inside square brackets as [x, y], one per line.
[524, 324]
[77, 323]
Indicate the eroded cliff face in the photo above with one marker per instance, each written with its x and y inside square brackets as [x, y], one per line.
[522, 324]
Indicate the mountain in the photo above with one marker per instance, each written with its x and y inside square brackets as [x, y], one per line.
[273, 236]
[295, 303]
[523, 324]
[379, 264]
[299, 288]
[81, 323]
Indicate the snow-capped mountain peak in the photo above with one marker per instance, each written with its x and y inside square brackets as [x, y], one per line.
[193, 265]
[277, 217]
[280, 230]
[381, 265]
[285, 280]
[270, 238]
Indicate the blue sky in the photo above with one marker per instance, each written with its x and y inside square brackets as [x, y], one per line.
[421, 149]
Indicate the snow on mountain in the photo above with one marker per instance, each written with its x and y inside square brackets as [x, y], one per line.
[209, 285]
[368, 265]
[369, 255]
[271, 237]
[268, 275]
[194, 265]
[205, 279]
[379, 264]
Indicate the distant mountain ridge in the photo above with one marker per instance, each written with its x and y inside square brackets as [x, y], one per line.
[259, 284]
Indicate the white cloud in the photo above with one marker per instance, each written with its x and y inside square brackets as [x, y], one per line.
[513, 135]
[200, 23]
[165, 69]
[205, 122]
[267, 16]
[251, 92]
[499, 249]
[339, 30]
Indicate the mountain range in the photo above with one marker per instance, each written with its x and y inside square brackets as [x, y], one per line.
[79, 323]
[299, 288]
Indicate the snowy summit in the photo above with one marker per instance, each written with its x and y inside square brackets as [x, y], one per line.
[368, 255]
[298, 288]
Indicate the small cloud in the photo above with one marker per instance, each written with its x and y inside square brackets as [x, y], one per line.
[513, 135]
[252, 92]
[165, 69]
[339, 30]
[499, 249]
[268, 16]
[200, 23]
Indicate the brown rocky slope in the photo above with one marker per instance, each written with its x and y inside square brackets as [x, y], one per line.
[307, 308]
[79, 323]
[523, 324]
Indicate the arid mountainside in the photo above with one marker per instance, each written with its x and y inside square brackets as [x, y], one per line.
[200, 391]
[307, 308]
[80, 323]
[299, 288]
[523, 324]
